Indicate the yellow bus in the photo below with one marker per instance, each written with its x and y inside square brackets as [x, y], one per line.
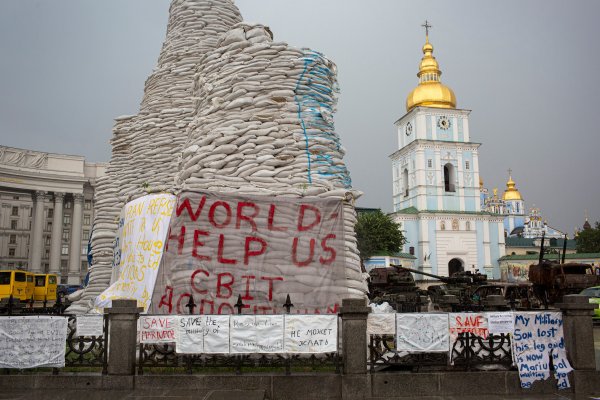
[13, 283]
[45, 287]
[30, 286]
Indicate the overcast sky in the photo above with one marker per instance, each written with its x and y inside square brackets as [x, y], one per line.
[528, 70]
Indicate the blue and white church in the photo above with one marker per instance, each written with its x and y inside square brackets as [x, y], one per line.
[436, 190]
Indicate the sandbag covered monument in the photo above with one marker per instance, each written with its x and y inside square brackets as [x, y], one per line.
[242, 132]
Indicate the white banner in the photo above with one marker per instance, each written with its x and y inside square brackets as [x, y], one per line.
[32, 341]
[156, 329]
[311, 333]
[381, 324]
[89, 325]
[537, 337]
[202, 334]
[417, 332]
[500, 322]
[256, 334]
[145, 222]
[473, 323]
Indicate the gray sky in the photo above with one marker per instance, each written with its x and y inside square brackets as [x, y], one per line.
[527, 69]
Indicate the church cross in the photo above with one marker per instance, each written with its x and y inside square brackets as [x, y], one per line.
[426, 26]
[510, 172]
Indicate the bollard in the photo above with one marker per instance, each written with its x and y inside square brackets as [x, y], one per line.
[354, 313]
[122, 332]
[578, 330]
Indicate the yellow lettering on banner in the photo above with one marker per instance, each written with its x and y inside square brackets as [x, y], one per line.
[158, 247]
[143, 224]
[135, 210]
[127, 229]
[156, 225]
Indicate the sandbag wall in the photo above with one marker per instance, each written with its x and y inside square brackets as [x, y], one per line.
[264, 126]
[147, 146]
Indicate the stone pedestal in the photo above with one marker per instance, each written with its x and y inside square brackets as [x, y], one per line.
[578, 329]
[354, 314]
[122, 331]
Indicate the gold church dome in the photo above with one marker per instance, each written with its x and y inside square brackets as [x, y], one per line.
[430, 92]
[511, 192]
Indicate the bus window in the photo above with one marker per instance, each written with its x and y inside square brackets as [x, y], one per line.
[51, 279]
[20, 277]
[4, 278]
[29, 278]
[40, 281]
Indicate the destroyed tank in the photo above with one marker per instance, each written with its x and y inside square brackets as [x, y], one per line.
[552, 280]
[461, 284]
[393, 285]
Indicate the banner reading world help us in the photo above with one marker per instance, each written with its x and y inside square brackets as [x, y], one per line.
[143, 227]
[223, 246]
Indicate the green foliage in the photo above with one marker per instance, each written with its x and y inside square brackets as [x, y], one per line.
[588, 240]
[377, 233]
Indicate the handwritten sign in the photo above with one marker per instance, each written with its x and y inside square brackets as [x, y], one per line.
[381, 324]
[537, 337]
[156, 329]
[473, 323]
[417, 332]
[311, 333]
[220, 246]
[500, 322]
[30, 342]
[142, 231]
[202, 334]
[256, 334]
[89, 325]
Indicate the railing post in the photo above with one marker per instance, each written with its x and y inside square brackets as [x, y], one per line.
[354, 313]
[122, 332]
[579, 331]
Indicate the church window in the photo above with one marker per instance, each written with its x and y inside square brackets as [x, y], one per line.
[449, 178]
[454, 224]
[468, 226]
[467, 165]
[443, 226]
[429, 163]
[405, 179]
[411, 250]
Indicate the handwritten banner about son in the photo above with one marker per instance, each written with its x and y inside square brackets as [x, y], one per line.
[381, 324]
[311, 333]
[89, 325]
[256, 334]
[156, 329]
[32, 341]
[202, 334]
[418, 333]
[537, 337]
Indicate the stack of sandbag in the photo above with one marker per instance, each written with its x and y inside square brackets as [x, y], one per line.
[147, 146]
[264, 126]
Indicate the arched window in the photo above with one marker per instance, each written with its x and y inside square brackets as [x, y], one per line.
[454, 224]
[449, 178]
[468, 225]
[443, 225]
[405, 179]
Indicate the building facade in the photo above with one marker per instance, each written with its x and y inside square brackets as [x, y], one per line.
[436, 191]
[46, 212]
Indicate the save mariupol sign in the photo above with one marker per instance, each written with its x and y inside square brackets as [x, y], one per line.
[221, 246]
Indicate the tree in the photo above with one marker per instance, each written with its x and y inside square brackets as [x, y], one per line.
[376, 233]
[588, 240]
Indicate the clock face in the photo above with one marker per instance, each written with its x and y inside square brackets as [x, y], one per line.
[408, 129]
[443, 122]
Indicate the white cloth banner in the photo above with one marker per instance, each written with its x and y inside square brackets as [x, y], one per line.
[202, 334]
[417, 333]
[473, 323]
[311, 333]
[32, 341]
[256, 334]
[145, 222]
[500, 322]
[156, 329]
[537, 337]
[381, 324]
[89, 325]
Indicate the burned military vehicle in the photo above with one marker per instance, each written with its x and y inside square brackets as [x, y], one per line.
[394, 285]
[552, 280]
[461, 284]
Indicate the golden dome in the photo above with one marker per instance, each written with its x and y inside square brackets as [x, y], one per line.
[430, 92]
[511, 192]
